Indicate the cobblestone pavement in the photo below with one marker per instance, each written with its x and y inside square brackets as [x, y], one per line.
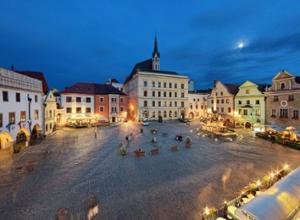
[71, 165]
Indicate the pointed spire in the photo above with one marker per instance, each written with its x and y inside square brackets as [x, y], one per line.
[155, 50]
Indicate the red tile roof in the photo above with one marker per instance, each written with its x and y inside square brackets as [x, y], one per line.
[92, 89]
[36, 75]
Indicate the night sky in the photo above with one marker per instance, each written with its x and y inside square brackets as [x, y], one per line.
[92, 40]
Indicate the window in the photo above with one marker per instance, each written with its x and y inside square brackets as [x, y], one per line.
[182, 95]
[245, 112]
[227, 101]
[282, 86]
[175, 114]
[101, 99]
[196, 106]
[159, 93]
[88, 99]
[175, 85]
[46, 127]
[159, 103]
[153, 114]
[170, 114]
[153, 103]
[68, 99]
[165, 114]
[222, 109]
[257, 112]
[50, 113]
[121, 100]
[18, 97]
[78, 110]
[153, 84]
[257, 102]
[170, 104]
[273, 113]
[145, 103]
[1, 120]
[218, 101]
[175, 104]
[240, 102]
[175, 94]
[295, 114]
[212, 101]
[229, 110]
[153, 93]
[88, 110]
[248, 102]
[145, 83]
[78, 99]
[165, 94]
[222, 101]
[101, 109]
[69, 110]
[113, 99]
[182, 86]
[36, 114]
[291, 97]
[170, 85]
[275, 99]
[165, 85]
[22, 116]
[221, 93]
[247, 91]
[284, 113]
[121, 108]
[182, 104]
[240, 111]
[5, 96]
[36, 98]
[170, 94]
[145, 93]
[191, 106]
[114, 109]
[159, 85]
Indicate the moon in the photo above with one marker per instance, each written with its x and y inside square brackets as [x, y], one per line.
[241, 45]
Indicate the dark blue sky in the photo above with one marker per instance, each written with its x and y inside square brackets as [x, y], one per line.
[92, 40]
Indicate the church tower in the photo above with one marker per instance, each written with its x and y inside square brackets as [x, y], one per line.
[155, 56]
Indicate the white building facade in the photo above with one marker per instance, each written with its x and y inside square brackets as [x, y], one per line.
[221, 101]
[21, 108]
[50, 108]
[154, 94]
[197, 105]
[77, 107]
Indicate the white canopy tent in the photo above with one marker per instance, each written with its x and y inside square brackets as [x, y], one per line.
[281, 201]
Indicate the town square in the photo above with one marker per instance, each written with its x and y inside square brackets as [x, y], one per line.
[131, 110]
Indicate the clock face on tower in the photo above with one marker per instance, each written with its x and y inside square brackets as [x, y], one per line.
[283, 103]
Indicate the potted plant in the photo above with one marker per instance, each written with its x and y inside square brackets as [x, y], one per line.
[188, 142]
[122, 149]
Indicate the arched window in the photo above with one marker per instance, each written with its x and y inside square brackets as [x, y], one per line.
[175, 114]
[170, 114]
[282, 86]
[165, 114]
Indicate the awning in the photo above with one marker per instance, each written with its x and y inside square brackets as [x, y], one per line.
[281, 201]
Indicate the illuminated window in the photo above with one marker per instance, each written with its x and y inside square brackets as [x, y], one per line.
[22, 116]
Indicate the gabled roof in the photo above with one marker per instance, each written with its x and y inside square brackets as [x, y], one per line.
[92, 89]
[146, 66]
[36, 75]
[232, 88]
[114, 81]
[282, 75]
